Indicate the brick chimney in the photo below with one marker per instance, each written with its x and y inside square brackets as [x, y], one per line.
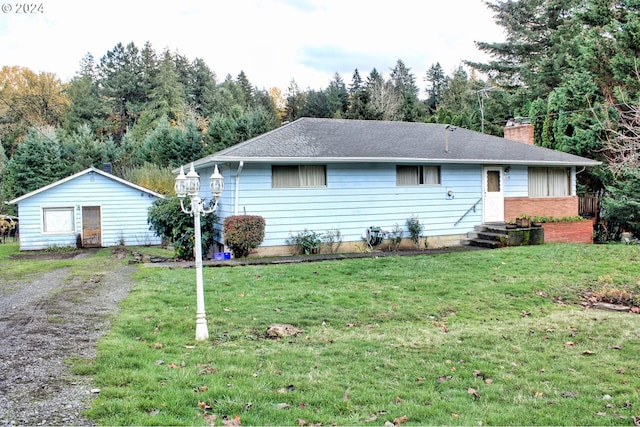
[519, 131]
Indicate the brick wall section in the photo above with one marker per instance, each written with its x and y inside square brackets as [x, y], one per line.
[557, 207]
[568, 232]
[520, 133]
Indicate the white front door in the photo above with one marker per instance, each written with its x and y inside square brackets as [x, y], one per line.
[493, 198]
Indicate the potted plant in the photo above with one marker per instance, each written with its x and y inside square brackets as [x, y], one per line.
[523, 221]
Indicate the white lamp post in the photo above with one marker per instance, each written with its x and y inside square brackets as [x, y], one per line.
[189, 185]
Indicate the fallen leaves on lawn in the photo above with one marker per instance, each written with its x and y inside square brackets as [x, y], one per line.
[400, 420]
[235, 421]
[443, 378]
[211, 419]
[286, 389]
[204, 405]
[474, 393]
[442, 326]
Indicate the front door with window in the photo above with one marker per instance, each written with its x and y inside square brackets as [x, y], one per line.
[493, 194]
[91, 227]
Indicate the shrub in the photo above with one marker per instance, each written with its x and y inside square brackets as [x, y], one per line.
[306, 242]
[332, 240]
[243, 233]
[415, 229]
[168, 221]
[395, 237]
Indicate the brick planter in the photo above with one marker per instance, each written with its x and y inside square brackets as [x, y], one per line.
[568, 232]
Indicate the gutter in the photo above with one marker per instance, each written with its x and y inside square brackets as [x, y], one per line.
[399, 160]
[237, 189]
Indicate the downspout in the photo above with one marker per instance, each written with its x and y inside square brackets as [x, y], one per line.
[575, 184]
[238, 172]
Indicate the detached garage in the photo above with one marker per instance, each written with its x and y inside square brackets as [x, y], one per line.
[90, 209]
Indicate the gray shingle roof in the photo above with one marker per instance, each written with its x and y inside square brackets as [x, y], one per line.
[310, 140]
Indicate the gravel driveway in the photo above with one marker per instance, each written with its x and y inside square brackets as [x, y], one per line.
[44, 323]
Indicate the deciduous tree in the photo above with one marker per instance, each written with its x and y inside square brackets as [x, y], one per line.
[28, 99]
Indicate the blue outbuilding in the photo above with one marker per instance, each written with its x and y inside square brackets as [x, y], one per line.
[92, 208]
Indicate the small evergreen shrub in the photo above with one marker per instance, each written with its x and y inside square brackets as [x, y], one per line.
[243, 233]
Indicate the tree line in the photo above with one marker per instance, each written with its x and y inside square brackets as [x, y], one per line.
[147, 112]
[567, 66]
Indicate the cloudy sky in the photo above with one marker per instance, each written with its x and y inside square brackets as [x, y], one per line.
[272, 41]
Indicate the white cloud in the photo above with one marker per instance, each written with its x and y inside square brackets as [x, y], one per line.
[272, 41]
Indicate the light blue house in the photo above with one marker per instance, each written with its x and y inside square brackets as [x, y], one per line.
[349, 175]
[90, 209]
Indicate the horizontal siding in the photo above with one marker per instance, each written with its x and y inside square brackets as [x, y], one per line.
[124, 212]
[356, 197]
[516, 182]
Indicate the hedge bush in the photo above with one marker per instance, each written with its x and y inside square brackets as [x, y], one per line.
[167, 220]
[243, 233]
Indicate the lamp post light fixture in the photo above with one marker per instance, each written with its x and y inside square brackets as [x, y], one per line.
[189, 186]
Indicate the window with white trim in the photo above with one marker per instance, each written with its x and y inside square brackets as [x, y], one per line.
[291, 176]
[549, 182]
[407, 175]
[58, 220]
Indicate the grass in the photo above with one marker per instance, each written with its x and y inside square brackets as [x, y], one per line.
[486, 337]
[19, 269]
[490, 337]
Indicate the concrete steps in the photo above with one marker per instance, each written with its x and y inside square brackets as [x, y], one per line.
[488, 236]
[499, 236]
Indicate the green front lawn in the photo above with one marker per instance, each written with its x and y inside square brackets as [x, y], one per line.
[471, 338]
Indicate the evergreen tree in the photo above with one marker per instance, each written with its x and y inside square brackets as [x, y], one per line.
[316, 105]
[149, 68]
[128, 155]
[358, 98]
[404, 83]
[534, 55]
[86, 104]
[3, 165]
[201, 88]
[171, 145]
[244, 91]
[166, 99]
[337, 96]
[82, 150]
[119, 77]
[294, 102]
[227, 130]
[35, 163]
[621, 205]
[436, 79]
